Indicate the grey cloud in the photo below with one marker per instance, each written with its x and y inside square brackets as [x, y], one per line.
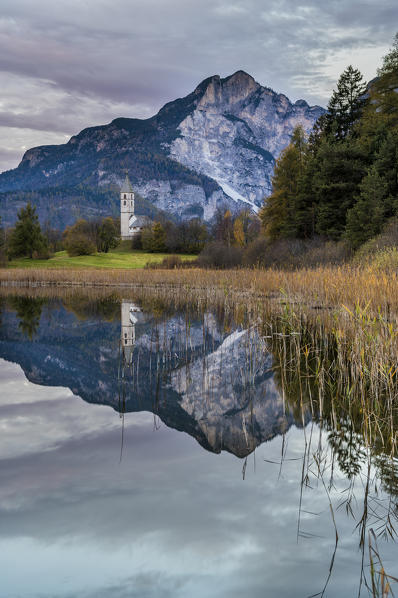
[134, 56]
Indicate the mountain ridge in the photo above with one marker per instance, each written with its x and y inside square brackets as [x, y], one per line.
[214, 147]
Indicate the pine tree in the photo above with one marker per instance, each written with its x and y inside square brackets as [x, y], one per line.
[26, 238]
[390, 60]
[365, 219]
[278, 214]
[339, 172]
[384, 94]
[158, 238]
[346, 104]
[28, 311]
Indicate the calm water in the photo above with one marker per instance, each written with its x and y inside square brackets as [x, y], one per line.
[151, 454]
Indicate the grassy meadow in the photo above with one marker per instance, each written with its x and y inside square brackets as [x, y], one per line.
[121, 257]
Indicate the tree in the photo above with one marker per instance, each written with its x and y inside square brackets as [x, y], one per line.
[159, 238]
[195, 236]
[390, 60]
[365, 219]
[239, 233]
[108, 235]
[28, 310]
[340, 168]
[147, 238]
[384, 96]
[153, 238]
[246, 228]
[26, 238]
[346, 104]
[3, 259]
[223, 229]
[79, 239]
[277, 215]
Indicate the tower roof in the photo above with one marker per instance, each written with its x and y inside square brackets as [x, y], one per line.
[126, 187]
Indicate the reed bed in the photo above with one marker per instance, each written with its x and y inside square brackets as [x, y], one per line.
[322, 288]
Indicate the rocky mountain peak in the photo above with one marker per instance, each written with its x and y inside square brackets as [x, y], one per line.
[228, 91]
[214, 148]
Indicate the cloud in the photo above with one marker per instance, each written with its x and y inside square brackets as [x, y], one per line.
[170, 520]
[69, 65]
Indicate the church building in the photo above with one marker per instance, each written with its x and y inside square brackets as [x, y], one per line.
[131, 224]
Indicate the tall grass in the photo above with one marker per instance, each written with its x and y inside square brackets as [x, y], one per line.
[322, 288]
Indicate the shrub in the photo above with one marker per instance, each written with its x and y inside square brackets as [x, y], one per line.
[218, 255]
[387, 239]
[168, 263]
[295, 253]
[136, 241]
[79, 244]
[42, 254]
[255, 252]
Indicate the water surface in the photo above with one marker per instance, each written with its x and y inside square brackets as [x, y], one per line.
[152, 453]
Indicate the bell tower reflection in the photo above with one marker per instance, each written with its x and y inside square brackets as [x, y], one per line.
[130, 313]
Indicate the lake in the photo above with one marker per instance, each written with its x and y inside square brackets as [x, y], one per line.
[147, 451]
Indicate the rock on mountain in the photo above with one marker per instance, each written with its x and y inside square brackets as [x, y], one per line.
[215, 147]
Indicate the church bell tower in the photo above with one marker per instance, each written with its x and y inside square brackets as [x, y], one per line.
[126, 208]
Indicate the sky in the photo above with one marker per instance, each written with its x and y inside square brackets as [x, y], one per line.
[68, 65]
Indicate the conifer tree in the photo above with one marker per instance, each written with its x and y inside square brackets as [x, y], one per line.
[346, 104]
[277, 215]
[158, 238]
[384, 91]
[339, 172]
[365, 219]
[26, 238]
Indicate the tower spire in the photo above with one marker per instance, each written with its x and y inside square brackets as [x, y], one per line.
[126, 208]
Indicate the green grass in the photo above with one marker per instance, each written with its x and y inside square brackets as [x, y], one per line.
[121, 257]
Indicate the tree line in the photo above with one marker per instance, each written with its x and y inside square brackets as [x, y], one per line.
[28, 239]
[341, 182]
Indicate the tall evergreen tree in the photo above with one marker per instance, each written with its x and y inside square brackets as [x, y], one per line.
[26, 238]
[346, 104]
[390, 60]
[277, 215]
[365, 219]
[340, 168]
[384, 94]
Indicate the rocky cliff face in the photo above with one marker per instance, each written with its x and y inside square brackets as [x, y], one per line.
[215, 147]
[235, 132]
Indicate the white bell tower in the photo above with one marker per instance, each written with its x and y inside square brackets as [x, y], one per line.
[126, 208]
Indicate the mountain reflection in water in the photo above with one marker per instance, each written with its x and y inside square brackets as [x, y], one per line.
[193, 375]
[218, 382]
